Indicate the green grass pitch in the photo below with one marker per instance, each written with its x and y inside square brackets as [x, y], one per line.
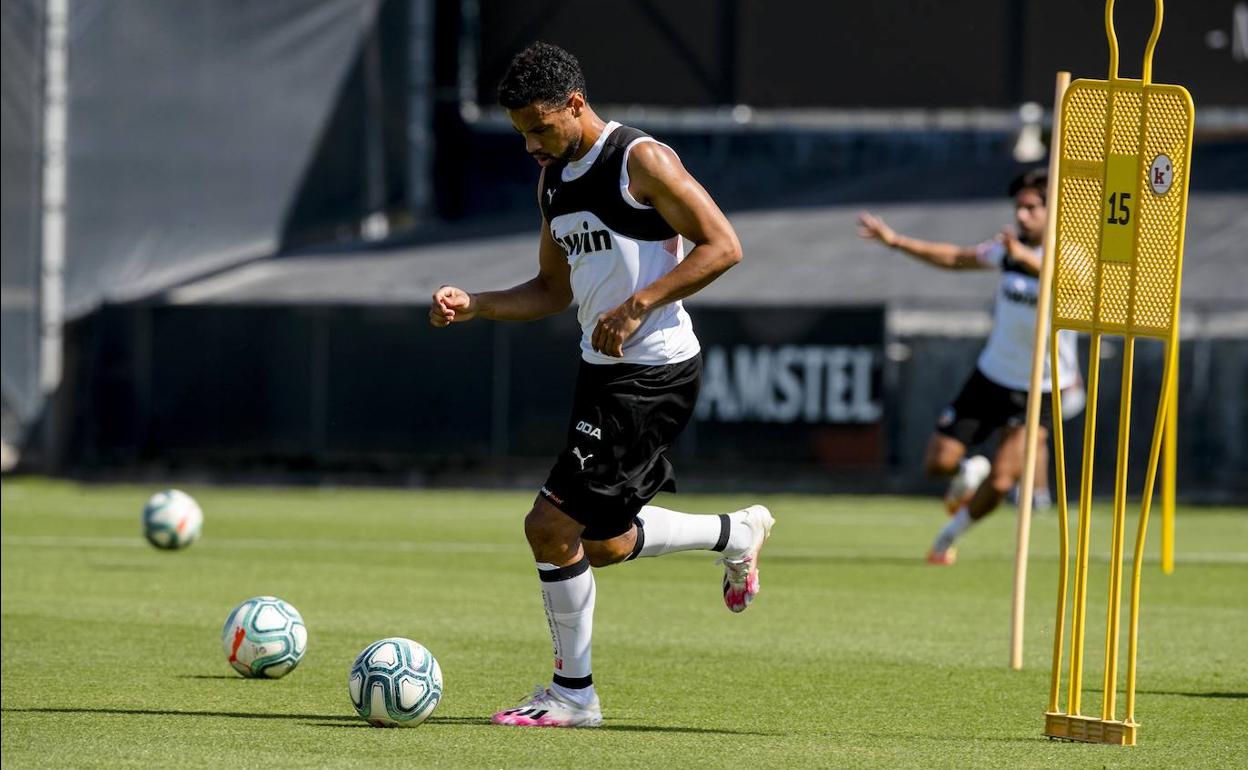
[856, 654]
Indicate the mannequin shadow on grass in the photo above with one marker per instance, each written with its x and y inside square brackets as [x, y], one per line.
[1213, 695]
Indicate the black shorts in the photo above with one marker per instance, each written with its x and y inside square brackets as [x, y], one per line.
[624, 419]
[983, 406]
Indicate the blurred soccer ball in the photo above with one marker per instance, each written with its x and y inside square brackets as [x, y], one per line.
[395, 683]
[172, 519]
[264, 637]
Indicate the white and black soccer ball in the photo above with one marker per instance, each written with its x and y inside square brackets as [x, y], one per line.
[264, 637]
[172, 519]
[395, 682]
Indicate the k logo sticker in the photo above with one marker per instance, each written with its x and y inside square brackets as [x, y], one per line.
[1161, 175]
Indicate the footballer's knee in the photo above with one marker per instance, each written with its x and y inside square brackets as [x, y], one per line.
[1003, 480]
[553, 536]
[942, 456]
[604, 553]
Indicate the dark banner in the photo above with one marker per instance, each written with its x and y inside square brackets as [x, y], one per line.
[799, 384]
[377, 386]
[786, 395]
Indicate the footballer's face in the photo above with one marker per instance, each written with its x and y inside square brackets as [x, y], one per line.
[551, 133]
[1030, 215]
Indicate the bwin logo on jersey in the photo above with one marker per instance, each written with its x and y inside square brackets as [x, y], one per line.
[589, 430]
[585, 242]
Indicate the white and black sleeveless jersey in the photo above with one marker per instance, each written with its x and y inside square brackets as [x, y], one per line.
[615, 246]
[1006, 358]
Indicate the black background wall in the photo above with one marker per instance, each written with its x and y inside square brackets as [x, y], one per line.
[888, 53]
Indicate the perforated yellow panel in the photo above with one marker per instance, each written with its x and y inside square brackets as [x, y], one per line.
[1089, 143]
[1162, 217]
[1075, 273]
[1122, 173]
[1122, 202]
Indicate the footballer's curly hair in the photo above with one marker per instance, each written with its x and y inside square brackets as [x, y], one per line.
[1036, 179]
[541, 73]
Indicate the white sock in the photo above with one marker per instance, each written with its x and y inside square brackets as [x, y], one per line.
[975, 469]
[1041, 500]
[956, 526]
[661, 531]
[568, 596]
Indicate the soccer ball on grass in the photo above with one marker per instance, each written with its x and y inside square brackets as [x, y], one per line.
[395, 682]
[172, 519]
[264, 637]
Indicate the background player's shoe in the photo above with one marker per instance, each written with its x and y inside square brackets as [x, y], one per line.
[741, 575]
[546, 709]
[962, 486]
[1041, 498]
[944, 558]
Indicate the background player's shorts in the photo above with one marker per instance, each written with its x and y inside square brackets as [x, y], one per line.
[624, 419]
[983, 406]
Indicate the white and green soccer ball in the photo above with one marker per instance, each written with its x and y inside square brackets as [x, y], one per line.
[264, 637]
[172, 519]
[395, 683]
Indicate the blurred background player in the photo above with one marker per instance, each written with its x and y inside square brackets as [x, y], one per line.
[615, 206]
[993, 400]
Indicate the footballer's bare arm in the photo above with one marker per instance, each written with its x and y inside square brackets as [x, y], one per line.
[546, 294]
[549, 292]
[1019, 252]
[950, 256]
[657, 178]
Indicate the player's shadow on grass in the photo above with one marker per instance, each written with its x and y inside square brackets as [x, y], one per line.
[213, 676]
[175, 713]
[354, 722]
[435, 720]
[125, 567]
[677, 729]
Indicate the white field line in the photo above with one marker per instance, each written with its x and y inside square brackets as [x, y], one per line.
[258, 544]
[404, 546]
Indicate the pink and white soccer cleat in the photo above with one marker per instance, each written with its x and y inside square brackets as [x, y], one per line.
[546, 709]
[741, 575]
[945, 558]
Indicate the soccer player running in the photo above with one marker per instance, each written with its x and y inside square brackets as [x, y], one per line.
[616, 205]
[994, 397]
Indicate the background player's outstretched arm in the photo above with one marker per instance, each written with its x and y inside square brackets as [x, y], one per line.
[657, 178]
[947, 255]
[1018, 252]
[546, 294]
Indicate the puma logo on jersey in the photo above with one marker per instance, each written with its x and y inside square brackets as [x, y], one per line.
[577, 451]
[585, 242]
[589, 430]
